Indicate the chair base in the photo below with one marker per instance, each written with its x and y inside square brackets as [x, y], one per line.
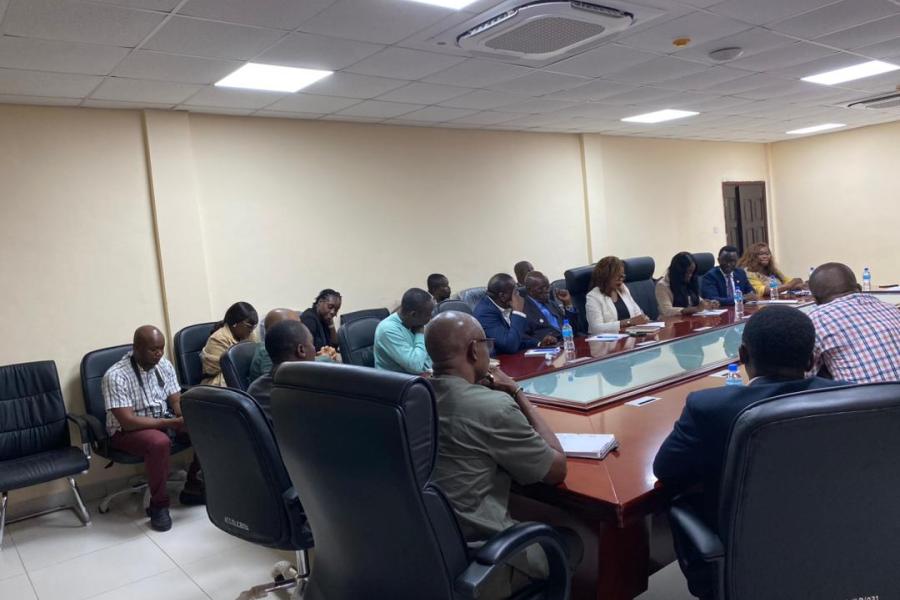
[286, 576]
[78, 507]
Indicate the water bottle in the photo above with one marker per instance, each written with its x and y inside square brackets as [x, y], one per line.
[733, 377]
[738, 303]
[867, 280]
[773, 288]
[568, 340]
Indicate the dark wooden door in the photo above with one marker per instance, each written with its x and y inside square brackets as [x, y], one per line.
[732, 216]
[746, 220]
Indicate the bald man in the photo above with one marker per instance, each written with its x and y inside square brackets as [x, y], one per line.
[287, 341]
[489, 435]
[143, 404]
[545, 317]
[501, 313]
[857, 335]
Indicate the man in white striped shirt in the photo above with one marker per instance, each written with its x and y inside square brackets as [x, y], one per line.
[143, 404]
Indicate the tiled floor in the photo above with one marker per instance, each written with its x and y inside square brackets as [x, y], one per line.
[118, 557]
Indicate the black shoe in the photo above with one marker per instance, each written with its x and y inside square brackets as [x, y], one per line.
[159, 519]
[192, 498]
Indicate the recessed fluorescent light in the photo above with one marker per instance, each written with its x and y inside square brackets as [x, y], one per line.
[272, 78]
[660, 116]
[815, 128]
[457, 4]
[866, 69]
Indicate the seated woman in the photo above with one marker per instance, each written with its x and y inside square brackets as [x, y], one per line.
[239, 325]
[609, 306]
[678, 293]
[759, 264]
[319, 319]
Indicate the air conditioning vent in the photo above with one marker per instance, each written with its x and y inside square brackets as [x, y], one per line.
[885, 101]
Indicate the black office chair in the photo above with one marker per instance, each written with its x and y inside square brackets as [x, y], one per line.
[35, 446]
[235, 364]
[639, 281]
[93, 366]
[472, 296]
[188, 344]
[557, 284]
[357, 340]
[457, 305]
[809, 501]
[248, 491]
[360, 446]
[378, 313]
[705, 262]
[578, 282]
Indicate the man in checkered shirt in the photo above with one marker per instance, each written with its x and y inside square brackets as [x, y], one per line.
[143, 404]
[857, 335]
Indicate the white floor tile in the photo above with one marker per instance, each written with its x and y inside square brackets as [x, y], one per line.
[100, 571]
[171, 585]
[18, 588]
[667, 584]
[191, 540]
[10, 563]
[224, 576]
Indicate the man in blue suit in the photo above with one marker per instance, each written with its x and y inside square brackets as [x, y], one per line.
[501, 314]
[719, 283]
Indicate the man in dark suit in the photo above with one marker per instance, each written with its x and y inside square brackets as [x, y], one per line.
[501, 314]
[545, 317]
[719, 284]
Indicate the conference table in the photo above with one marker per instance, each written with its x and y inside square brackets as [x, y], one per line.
[609, 387]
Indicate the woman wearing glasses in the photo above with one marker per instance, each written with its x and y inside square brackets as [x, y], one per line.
[759, 264]
[239, 325]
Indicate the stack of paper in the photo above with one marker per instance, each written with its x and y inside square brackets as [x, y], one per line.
[711, 312]
[542, 351]
[778, 302]
[587, 445]
[607, 337]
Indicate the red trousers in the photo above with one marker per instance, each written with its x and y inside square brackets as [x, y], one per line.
[153, 446]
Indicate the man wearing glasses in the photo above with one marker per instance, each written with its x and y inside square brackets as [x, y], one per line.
[489, 435]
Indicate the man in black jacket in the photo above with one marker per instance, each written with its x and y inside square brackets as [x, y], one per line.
[545, 317]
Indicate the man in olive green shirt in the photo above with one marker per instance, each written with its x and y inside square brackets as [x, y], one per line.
[488, 437]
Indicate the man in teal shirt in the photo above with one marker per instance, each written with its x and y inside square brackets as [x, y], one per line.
[400, 338]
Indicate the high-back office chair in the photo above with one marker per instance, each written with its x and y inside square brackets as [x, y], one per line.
[705, 262]
[639, 280]
[557, 284]
[378, 313]
[472, 296]
[457, 305]
[93, 366]
[578, 282]
[235, 364]
[809, 500]
[382, 528]
[34, 434]
[248, 491]
[188, 344]
[357, 340]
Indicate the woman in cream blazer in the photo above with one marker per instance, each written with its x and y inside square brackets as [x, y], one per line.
[609, 305]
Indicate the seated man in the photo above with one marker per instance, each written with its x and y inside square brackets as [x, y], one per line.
[719, 284]
[262, 362]
[489, 435]
[857, 335]
[400, 338]
[501, 315]
[522, 269]
[545, 317]
[143, 404]
[439, 287]
[287, 341]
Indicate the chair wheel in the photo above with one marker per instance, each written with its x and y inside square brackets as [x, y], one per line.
[102, 510]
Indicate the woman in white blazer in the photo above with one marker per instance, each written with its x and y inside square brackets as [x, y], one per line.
[609, 305]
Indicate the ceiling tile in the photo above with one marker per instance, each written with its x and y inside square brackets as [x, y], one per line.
[594, 111]
[232, 98]
[143, 64]
[379, 109]
[751, 41]
[310, 103]
[38, 83]
[700, 27]
[161, 5]
[218, 110]
[211, 40]
[437, 114]
[37, 100]
[875, 32]
[656, 70]
[119, 104]
[69, 21]
[602, 60]
[141, 90]
[477, 73]
[538, 105]
[377, 21]
[402, 63]
[779, 58]
[350, 85]
[60, 57]
[277, 14]
[488, 117]
[483, 100]
[424, 93]
[884, 50]
[836, 17]
[286, 115]
[317, 52]
[835, 60]
[640, 95]
[704, 79]
[539, 83]
[761, 12]
[594, 90]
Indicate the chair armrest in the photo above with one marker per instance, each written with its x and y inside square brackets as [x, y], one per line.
[497, 551]
[90, 429]
[693, 535]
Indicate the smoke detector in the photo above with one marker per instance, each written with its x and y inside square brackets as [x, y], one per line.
[725, 54]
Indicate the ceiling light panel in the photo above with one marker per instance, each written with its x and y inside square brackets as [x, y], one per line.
[659, 116]
[272, 78]
[866, 69]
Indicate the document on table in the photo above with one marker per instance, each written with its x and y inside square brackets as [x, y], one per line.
[607, 337]
[659, 324]
[587, 445]
[778, 302]
[711, 312]
[541, 351]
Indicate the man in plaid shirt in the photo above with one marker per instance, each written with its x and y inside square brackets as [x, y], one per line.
[857, 335]
[143, 404]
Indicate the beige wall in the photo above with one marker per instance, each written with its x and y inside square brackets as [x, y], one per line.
[655, 197]
[837, 197]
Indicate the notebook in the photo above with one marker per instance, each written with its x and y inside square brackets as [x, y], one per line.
[587, 445]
